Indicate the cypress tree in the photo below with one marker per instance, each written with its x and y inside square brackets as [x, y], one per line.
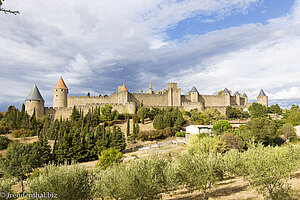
[128, 128]
[118, 139]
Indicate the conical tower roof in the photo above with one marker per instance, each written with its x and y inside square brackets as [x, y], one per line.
[150, 86]
[244, 95]
[226, 91]
[236, 93]
[262, 93]
[194, 89]
[124, 89]
[61, 84]
[34, 94]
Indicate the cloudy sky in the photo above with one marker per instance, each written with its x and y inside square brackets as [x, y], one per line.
[244, 45]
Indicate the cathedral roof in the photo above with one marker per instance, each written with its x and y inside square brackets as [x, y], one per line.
[194, 89]
[262, 93]
[236, 93]
[226, 91]
[124, 88]
[34, 94]
[244, 95]
[61, 84]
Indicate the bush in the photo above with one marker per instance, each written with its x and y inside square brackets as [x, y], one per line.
[4, 130]
[221, 126]
[5, 187]
[108, 157]
[68, 182]
[180, 134]
[232, 141]
[288, 131]
[200, 171]
[143, 179]
[152, 135]
[261, 129]
[269, 169]
[206, 144]
[4, 141]
[23, 133]
[295, 140]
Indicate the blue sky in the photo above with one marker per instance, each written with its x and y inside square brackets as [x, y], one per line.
[244, 45]
[258, 13]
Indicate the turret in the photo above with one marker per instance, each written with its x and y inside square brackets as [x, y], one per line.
[150, 91]
[237, 98]
[194, 94]
[60, 94]
[123, 95]
[262, 98]
[35, 102]
[226, 94]
[245, 98]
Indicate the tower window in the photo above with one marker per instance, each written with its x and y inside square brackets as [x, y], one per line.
[62, 90]
[56, 90]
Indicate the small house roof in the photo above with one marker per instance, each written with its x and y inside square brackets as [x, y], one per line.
[34, 94]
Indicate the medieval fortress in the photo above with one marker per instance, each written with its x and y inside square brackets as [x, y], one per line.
[125, 102]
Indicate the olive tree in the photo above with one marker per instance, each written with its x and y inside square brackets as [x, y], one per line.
[200, 171]
[66, 181]
[269, 168]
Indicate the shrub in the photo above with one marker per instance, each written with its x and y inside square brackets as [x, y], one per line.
[68, 182]
[143, 179]
[262, 129]
[288, 131]
[200, 171]
[4, 141]
[269, 168]
[5, 187]
[108, 157]
[23, 133]
[232, 141]
[221, 126]
[205, 144]
[152, 135]
[180, 134]
[4, 130]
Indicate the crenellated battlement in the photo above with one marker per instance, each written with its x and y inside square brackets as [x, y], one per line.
[125, 102]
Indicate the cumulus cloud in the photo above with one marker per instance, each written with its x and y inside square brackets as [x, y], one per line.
[97, 45]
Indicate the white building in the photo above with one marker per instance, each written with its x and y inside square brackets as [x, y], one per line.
[197, 129]
[297, 130]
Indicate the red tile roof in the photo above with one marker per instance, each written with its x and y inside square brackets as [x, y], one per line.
[61, 84]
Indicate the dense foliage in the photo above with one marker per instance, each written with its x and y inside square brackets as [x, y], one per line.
[65, 182]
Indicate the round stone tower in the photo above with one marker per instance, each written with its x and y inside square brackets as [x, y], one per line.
[262, 98]
[35, 102]
[150, 91]
[60, 95]
[194, 94]
[226, 94]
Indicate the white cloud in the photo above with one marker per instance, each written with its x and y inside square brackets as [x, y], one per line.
[97, 45]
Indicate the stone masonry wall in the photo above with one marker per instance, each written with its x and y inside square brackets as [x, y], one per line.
[149, 99]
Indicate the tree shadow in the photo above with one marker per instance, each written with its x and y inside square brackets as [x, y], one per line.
[219, 192]
[227, 191]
